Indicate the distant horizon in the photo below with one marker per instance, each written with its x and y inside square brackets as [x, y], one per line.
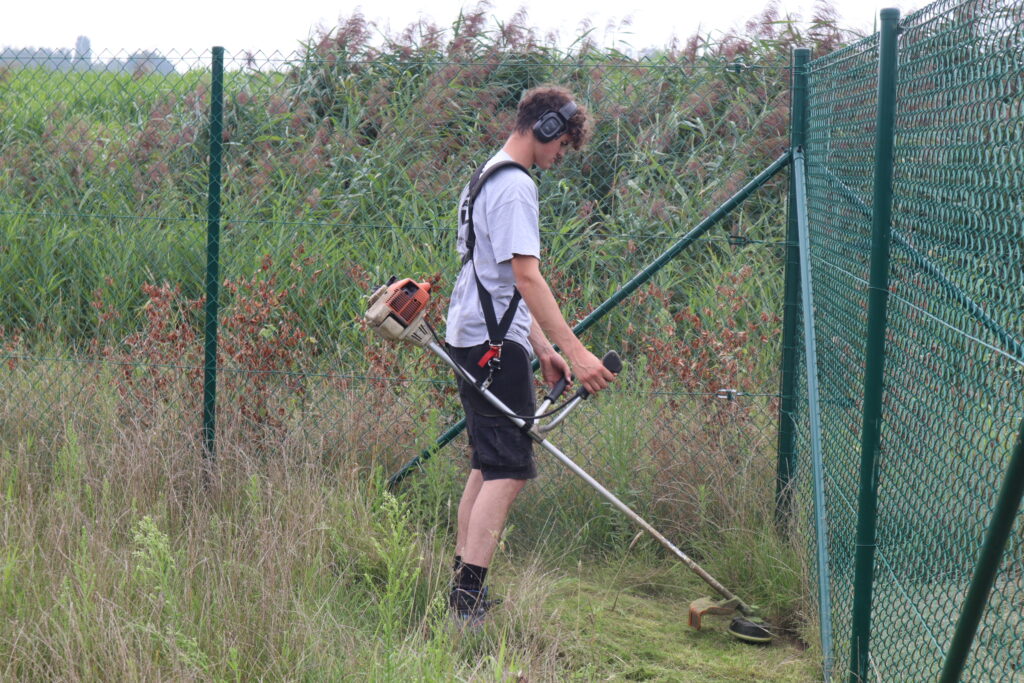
[74, 59]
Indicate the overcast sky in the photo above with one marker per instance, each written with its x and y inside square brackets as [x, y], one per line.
[182, 25]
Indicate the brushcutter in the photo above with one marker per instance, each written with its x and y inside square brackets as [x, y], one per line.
[397, 312]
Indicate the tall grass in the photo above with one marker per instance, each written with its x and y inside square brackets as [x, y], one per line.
[119, 561]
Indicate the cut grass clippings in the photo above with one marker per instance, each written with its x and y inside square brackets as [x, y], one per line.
[631, 624]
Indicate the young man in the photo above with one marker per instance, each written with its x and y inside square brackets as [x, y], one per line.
[503, 256]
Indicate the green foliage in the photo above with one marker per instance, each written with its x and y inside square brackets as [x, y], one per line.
[358, 151]
[398, 564]
[342, 165]
[156, 573]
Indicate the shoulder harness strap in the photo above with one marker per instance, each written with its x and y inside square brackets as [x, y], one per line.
[496, 330]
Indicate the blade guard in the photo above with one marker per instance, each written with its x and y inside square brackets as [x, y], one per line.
[397, 311]
[698, 608]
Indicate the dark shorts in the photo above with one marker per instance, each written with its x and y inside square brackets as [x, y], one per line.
[501, 450]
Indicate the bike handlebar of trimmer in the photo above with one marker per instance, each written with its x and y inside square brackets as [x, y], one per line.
[611, 360]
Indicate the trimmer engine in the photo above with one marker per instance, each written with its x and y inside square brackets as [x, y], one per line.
[397, 311]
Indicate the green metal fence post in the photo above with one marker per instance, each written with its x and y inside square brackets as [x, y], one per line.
[878, 296]
[213, 255]
[813, 415]
[790, 310]
[998, 533]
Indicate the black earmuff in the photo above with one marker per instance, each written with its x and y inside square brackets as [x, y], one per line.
[553, 124]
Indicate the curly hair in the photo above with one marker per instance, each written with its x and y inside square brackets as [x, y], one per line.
[537, 101]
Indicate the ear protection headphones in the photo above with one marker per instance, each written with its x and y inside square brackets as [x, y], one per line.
[553, 124]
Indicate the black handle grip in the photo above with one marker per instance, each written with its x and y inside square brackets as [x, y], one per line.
[613, 362]
[557, 390]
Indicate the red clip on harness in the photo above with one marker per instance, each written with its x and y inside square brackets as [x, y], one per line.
[492, 354]
[492, 361]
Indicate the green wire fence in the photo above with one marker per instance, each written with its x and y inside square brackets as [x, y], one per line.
[914, 204]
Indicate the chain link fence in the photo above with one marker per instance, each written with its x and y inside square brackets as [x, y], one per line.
[341, 166]
[954, 339]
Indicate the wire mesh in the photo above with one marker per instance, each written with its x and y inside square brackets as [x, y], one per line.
[840, 139]
[103, 231]
[342, 167]
[954, 370]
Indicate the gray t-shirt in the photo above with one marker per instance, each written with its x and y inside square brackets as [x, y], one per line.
[506, 218]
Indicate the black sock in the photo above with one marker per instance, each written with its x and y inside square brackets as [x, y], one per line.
[456, 570]
[471, 578]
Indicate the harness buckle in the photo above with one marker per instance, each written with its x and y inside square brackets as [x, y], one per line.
[492, 361]
[491, 357]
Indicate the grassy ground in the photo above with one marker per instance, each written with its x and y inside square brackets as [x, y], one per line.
[630, 623]
[119, 563]
[617, 623]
